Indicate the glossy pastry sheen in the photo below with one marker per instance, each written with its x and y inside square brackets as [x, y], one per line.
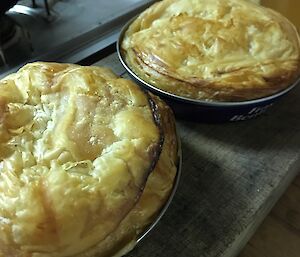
[77, 145]
[159, 185]
[213, 49]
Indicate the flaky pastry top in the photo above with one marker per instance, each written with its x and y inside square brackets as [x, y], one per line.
[76, 147]
[220, 50]
[155, 196]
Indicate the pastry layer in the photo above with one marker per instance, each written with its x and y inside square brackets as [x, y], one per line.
[77, 145]
[230, 50]
[157, 191]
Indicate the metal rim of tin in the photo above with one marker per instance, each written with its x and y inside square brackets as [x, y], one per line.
[190, 100]
[166, 205]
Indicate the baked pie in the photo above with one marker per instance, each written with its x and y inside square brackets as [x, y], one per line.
[213, 50]
[78, 146]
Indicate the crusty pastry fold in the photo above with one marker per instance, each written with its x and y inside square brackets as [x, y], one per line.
[213, 50]
[77, 147]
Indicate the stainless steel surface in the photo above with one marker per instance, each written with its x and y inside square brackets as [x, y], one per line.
[2, 56]
[6, 5]
[74, 30]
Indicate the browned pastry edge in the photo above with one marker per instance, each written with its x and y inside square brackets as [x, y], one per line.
[160, 76]
[185, 88]
[124, 238]
[11, 251]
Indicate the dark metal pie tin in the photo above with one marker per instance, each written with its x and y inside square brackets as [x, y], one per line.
[205, 111]
[170, 198]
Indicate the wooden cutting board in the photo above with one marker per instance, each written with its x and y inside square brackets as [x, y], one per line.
[232, 175]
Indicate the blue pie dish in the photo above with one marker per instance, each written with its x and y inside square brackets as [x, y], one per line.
[206, 111]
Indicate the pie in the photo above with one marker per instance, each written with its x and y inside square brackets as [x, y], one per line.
[213, 50]
[84, 155]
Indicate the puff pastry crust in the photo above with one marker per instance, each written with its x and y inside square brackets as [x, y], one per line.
[77, 146]
[231, 50]
[157, 190]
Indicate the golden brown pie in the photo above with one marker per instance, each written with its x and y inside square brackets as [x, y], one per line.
[231, 50]
[158, 187]
[77, 147]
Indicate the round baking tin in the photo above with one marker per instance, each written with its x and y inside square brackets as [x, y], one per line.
[170, 198]
[205, 111]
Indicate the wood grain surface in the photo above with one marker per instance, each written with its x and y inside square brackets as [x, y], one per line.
[279, 234]
[289, 8]
[232, 175]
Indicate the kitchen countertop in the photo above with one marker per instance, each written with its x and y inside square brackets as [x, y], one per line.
[232, 175]
[278, 235]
